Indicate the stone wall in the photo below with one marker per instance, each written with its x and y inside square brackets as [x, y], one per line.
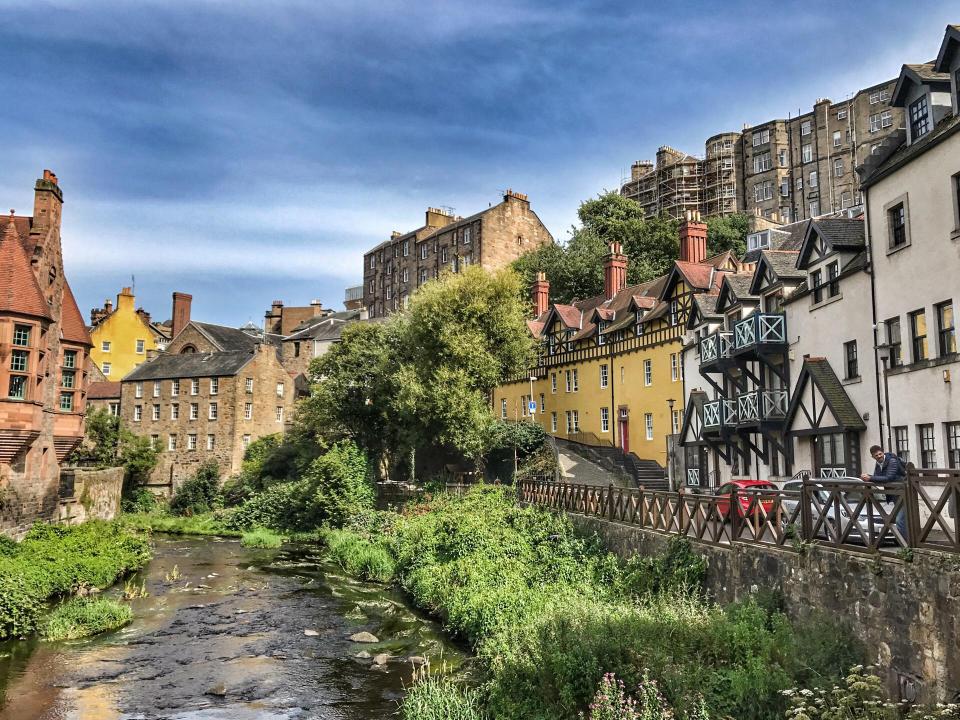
[907, 613]
[96, 494]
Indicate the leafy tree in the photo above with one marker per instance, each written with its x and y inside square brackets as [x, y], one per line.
[728, 233]
[108, 443]
[199, 493]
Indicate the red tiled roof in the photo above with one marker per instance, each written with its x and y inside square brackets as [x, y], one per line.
[72, 327]
[697, 275]
[103, 390]
[569, 314]
[19, 291]
[535, 327]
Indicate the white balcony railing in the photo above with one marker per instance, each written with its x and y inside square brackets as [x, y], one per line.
[760, 329]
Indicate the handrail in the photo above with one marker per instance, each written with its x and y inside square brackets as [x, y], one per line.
[850, 515]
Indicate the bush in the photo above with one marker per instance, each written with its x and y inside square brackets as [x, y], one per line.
[82, 617]
[359, 556]
[140, 501]
[680, 569]
[56, 560]
[200, 493]
[436, 698]
[261, 538]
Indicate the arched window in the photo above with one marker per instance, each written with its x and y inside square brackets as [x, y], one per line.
[187, 349]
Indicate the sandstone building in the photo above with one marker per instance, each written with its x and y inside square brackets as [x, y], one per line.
[44, 353]
[492, 238]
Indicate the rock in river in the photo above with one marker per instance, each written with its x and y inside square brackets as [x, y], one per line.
[364, 637]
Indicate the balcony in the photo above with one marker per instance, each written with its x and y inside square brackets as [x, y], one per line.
[715, 349]
[760, 332]
[762, 406]
[719, 415]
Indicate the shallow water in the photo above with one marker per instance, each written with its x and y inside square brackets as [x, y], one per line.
[227, 641]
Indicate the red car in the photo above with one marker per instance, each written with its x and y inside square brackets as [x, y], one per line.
[725, 492]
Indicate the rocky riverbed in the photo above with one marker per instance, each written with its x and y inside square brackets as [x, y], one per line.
[231, 633]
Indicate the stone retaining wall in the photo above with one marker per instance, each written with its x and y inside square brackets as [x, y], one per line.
[907, 613]
[96, 494]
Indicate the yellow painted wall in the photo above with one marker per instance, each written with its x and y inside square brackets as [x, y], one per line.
[122, 328]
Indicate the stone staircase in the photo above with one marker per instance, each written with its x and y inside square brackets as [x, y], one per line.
[629, 467]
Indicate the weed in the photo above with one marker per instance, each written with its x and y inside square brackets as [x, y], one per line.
[434, 697]
[261, 538]
[82, 617]
[173, 575]
[133, 591]
[905, 554]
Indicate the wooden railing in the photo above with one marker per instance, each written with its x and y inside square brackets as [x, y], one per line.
[864, 517]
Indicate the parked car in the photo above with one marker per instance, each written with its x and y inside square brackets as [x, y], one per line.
[724, 494]
[860, 527]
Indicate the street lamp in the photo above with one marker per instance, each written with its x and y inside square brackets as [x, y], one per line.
[670, 402]
[885, 353]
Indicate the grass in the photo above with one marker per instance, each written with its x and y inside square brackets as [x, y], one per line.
[261, 538]
[203, 524]
[83, 617]
[433, 697]
[363, 558]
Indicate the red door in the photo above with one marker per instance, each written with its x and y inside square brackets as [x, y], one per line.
[624, 430]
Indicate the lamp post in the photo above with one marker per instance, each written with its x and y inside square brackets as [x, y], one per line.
[532, 412]
[670, 403]
[885, 353]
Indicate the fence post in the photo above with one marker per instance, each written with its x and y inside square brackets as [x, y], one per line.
[734, 514]
[610, 502]
[911, 506]
[806, 518]
[682, 509]
[640, 502]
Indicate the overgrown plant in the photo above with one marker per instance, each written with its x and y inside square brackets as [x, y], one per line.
[199, 493]
[83, 617]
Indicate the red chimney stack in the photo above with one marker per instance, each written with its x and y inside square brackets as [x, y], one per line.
[693, 239]
[614, 271]
[541, 294]
[181, 312]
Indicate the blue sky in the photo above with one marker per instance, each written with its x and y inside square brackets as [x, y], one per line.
[251, 151]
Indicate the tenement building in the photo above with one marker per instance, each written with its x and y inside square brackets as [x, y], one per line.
[784, 170]
[44, 351]
[213, 392]
[124, 336]
[491, 238]
[610, 368]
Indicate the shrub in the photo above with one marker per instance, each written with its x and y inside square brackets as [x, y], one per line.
[436, 698]
[56, 560]
[200, 493]
[82, 617]
[140, 501]
[680, 569]
[261, 538]
[359, 556]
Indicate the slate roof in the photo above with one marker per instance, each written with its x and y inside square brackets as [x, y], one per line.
[842, 233]
[19, 291]
[103, 390]
[904, 153]
[230, 339]
[739, 285]
[327, 327]
[707, 304]
[818, 371]
[785, 237]
[191, 365]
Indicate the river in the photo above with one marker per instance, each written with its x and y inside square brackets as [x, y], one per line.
[241, 634]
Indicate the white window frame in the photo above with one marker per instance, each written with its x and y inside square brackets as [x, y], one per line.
[838, 167]
[280, 389]
[211, 442]
[647, 372]
[138, 390]
[806, 127]
[279, 413]
[105, 346]
[171, 442]
[213, 411]
[648, 424]
[248, 411]
[604, 419]
[553, 422]
[174, 411]
[806, 153]
[195, 386]
[174, 388]
[604, 375]
[156, 411]
[156, 388]
[194, 411]
[140, 346]
[105, 368]
[137, 413]
[576, 380]
[837, 138]
[191, 441]
[503, 408]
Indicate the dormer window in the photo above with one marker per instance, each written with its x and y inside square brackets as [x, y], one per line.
[674, 312]
[756, 241]
[601, 326]
[919, 118]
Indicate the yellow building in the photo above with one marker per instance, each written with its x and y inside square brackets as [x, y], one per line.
[609, 366]
[123, 336]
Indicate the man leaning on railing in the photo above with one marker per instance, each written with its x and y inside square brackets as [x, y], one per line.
[890, 470]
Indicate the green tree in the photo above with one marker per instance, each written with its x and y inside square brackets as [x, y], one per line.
[728, 233]
[108, 443]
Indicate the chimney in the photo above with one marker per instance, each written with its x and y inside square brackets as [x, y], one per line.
[144, 315]
[317, 307]
[693, 238]
[614, 271]
[437, 217]
[181, 312]
[47, 203]
[541, 294]
[511, 194]
[108, 306]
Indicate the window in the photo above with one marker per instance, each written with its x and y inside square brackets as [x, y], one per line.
[174, 388]
[194, 411]
[373, 261]
[114, 409]
[138, 390]
[68, 379]
[953, 444]
[956, 191]
[850, 359]
[423, 251]
[139, 347]
[897, 222]
[195, 387]
[919, 118]
[875, 122]
[604, 419]
[503, 408]
[553, 382]
[154, 442]
[799, 184]
[248, 411]
[761, 162]
[569, 422]
[806, 153]
[575, 416]
[814, 208]
[543, 403]
[674, 312]
[785, 187]
[69, 358]
[279, 389]
[175, 411]
[918, 335]
[567, 377]
[816, 285]
[648, 372]
[928, 448]
[443, 254]
[604, 376]
[172, 442]
[405, 275]
[814, 180]
[156, 412]
[755, 241]
[648, 422]
[805, 127]
[838, 167]
[105, 346]
[674, 367]
[845, 199]
[945, 330]
[423, 275]
[893, 340]
[406, 248]
[466, 236]
[874, 97]
[842, 114]
[781, 159]
[21, 335]
[886, 118]
[211, 442]
[66, 401]
[901, 441]
[18, 360]
[214, 386]
[761, 137]
[137, 413]
[248, 385]
[279, 413]
[246, 441]
[576, 380]
[156, 388]
[763, 191]
[553, 422]
[191, 442]
[833, 279]
[676, 420]
[212, 414]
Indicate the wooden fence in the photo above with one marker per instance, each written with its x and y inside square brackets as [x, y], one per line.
[918, 513]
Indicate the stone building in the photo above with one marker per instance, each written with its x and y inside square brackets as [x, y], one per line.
[124, 336]
[671, 186]
[314, 337]
[44, 354]
[912, 191]
[281, 319]
[104, 395]
[492, 238]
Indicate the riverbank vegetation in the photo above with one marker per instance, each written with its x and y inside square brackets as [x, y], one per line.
[83, 617]
[56, 561]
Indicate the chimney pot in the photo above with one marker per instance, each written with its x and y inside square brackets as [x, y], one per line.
[541, 294]
[693, 239]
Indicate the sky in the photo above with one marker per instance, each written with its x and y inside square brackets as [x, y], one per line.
[246, 152]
